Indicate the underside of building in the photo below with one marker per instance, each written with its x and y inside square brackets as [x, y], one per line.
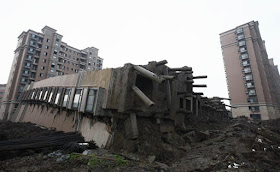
[111, 106]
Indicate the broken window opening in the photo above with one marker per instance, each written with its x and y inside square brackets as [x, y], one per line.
[145, 85]
[66, 97]
[77, 99]
[188, 105]
[58, 96]
[91, 100]
[181, 103]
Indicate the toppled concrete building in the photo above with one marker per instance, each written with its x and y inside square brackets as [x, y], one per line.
[105, 105]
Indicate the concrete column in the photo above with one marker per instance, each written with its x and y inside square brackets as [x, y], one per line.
[131, 128]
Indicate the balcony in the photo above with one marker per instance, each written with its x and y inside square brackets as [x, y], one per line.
[23, 81]
[248, 77]
[254, 108]
[32, 77]
[31, 52]
[33, 69]
[29, 59]
[249, 85]
[28, 67]
[252, 100]
[34, 37]
[82, 62]
[239, 31]
[239, 37]
[25, 74]
[247, 70]
[251, 92]
[245, 64]
[241, 43]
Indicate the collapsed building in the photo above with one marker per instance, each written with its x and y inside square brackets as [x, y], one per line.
[105, 106]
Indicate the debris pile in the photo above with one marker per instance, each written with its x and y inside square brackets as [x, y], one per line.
[206, 145]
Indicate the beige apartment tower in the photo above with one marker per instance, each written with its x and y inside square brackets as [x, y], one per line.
[41, 55]
[253, 79]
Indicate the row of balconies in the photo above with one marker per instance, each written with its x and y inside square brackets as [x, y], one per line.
[247, 70]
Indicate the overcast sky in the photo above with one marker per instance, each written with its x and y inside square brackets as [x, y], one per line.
[185, 33]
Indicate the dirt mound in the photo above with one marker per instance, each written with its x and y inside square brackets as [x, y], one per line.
[207, 145]
[9, 130]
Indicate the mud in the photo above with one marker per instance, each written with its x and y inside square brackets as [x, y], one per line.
[227, 145]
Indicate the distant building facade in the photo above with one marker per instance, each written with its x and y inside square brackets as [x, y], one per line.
[253, 79]
[2, 91]
[43, 55]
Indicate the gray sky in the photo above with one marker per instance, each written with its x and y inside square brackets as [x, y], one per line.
[185, 33]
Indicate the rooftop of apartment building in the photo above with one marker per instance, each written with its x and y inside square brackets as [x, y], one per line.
[242, 25]
[47, 28]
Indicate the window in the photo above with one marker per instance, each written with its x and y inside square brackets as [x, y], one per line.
[48, 40]
[27, 64]
[33, 95]
[40, 94]
[26, 72]
[253, 100]
[243, 49]
[247, 70]
[45, 53]
[44, 60]
[255, 116]
[21, 88]
[241, 43]
[88, 67]
[31, 50]
[239, 30]
[248, 77]
[245, 63]
[77, 99]
[29, 57]
[42, 67]
[40, 40]
[57, 96]
[91, 100]
[55, 53]
[244, 56]
[252, 92]
[46, 93]
[66, 97]
[32, 43]
[240, 37]
[254, 108]
[250, 85]
[50, 97]
[47, 47]
[41, 74]
[23, 80]
[33, 36]
[57, 41]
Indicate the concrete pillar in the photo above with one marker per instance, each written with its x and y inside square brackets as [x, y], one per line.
[131, 128]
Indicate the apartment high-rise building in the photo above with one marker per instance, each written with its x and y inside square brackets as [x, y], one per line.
[253, 79]
[40, 55]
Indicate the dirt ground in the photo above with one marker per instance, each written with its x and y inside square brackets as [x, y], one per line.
[207, 145]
